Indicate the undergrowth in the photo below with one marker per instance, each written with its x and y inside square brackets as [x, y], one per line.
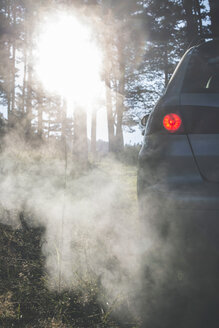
[25, 299]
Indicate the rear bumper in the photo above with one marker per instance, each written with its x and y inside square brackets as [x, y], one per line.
[169, 177]
[198, 198]
[191, 221]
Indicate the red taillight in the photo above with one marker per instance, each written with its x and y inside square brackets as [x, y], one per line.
[172, 122]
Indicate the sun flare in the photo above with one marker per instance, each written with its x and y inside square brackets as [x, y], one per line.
[69, 60]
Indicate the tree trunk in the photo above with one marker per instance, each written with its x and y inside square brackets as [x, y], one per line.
[214, 14]
[93, 131]
[49, 123]
[119, 142]
[80, 148]
[166, 66]
[40, 120]
[13, 62]
[9, 86]
[29, 73]
[13, 77]
[24, 80]
[191, 23]
[29, 100]
[8, 47]
[110, 119]
[63, 119]
[199, 17]
[25, 68]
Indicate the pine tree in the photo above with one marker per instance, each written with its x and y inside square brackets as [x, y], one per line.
[214, 14]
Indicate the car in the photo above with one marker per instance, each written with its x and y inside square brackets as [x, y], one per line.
[180, 151]
[178, 185]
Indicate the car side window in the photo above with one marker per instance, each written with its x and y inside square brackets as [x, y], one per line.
[202, 74]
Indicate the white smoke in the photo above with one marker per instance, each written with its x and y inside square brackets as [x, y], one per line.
[92, 229]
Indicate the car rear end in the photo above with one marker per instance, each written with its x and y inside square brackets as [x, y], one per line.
[179, 159]
[178, 190]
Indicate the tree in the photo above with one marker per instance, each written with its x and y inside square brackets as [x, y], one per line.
[199, 15]
[159, 48]
[108, 41]
[214, 14]
[142, 42]
[7, 72]
[93, 130]
[117, 17]
[191, 22]
[80, 146]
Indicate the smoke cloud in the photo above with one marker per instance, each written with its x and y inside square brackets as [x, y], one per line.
[92, 230]
[152, 266]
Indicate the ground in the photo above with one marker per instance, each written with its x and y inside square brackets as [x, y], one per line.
[27, 299]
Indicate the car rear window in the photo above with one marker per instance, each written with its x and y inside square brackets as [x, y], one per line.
[202, 75]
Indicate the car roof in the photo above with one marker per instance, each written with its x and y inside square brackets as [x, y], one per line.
[207, 48]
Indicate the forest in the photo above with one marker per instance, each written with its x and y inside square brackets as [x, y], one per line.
[140, 43]
[76, 77]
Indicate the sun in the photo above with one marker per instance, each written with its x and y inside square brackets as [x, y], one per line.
[69, 60]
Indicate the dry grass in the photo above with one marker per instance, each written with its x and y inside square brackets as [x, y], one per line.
[25, 299]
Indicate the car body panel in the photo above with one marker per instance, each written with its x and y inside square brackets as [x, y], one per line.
[206, 152]
[204, 139]
[199, 99]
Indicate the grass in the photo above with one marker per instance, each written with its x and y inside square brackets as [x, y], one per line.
[26, 300]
